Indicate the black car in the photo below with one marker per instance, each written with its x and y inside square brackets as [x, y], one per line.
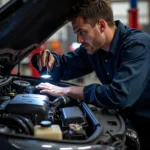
[24, 26]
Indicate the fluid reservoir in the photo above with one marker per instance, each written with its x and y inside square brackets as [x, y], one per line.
[47, 130]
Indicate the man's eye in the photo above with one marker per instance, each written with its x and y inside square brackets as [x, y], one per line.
[82, 33]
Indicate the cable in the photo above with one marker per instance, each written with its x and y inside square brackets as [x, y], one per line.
[18, 121]
[27, 122]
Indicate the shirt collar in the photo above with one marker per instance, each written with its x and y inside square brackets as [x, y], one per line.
[114, 46]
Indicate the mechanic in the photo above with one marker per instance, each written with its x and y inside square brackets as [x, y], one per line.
[119, 55]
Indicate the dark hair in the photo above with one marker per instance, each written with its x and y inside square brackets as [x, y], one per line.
[93, 9]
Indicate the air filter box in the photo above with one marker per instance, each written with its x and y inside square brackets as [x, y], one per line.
[71, 115]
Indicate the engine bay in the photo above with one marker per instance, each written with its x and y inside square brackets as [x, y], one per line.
[24, 111]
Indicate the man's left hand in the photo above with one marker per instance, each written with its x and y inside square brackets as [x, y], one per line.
[73, 91]
[51, 89]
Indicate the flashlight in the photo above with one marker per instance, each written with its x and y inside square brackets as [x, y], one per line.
[45, 70]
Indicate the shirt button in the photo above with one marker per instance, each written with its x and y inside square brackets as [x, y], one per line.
[106, 60]
[108, 73]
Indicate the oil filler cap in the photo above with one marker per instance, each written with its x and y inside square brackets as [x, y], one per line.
[45, 123]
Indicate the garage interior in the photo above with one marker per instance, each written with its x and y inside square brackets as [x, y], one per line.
[134, 13]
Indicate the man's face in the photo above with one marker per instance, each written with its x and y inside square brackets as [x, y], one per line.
[91, 37]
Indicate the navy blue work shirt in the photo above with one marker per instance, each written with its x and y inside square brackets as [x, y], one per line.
[124, 71]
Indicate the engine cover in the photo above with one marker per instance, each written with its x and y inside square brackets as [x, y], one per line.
[31, 106]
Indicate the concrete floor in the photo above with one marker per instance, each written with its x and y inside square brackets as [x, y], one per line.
[88, 79]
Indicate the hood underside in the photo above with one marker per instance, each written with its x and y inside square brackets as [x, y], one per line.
[25, 24]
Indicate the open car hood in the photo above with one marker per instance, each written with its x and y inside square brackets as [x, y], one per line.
[25, 24]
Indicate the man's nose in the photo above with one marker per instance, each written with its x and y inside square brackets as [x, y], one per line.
[79, 39]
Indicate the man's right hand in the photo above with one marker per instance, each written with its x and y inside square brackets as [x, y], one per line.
[42, 60]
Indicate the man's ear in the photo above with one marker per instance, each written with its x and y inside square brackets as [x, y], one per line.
[102, 24]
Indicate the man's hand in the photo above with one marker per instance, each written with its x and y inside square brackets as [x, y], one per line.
[73, 91]
[51, 89]
[41, 60]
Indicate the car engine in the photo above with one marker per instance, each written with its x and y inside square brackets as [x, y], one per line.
[26, 112]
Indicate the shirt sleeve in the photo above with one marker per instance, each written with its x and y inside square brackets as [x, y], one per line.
[128, 83]
[70, 65]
